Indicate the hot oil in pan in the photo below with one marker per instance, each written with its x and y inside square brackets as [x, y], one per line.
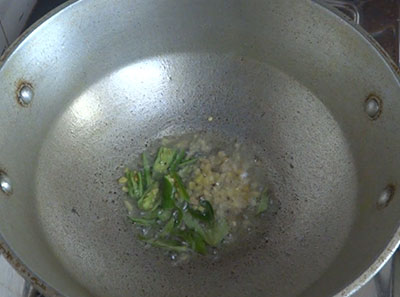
[222, 172]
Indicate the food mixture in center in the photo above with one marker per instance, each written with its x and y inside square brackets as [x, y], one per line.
[191, 196]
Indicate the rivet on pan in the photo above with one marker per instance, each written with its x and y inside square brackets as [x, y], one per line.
[5, 184]
[373, 107]
[385, 197]
[25, 94]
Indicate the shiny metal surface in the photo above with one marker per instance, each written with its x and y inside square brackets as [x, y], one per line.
[373, 107]
[382, 285]
[128, 74]
[25, 94]
[5, 184]
[386, 196]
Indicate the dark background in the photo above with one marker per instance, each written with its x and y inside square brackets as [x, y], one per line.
[42, 7]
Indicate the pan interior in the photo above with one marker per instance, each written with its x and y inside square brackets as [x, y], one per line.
[103, 129]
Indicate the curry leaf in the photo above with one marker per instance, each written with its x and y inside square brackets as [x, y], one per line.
[192, 223]
[263, 203]
[171, 245]
[142, 221]
[207, 215]
[164, 214]
[214, 235]
[198, 244]
[168, 228]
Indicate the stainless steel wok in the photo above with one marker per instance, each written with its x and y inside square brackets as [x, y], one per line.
[84, 91]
